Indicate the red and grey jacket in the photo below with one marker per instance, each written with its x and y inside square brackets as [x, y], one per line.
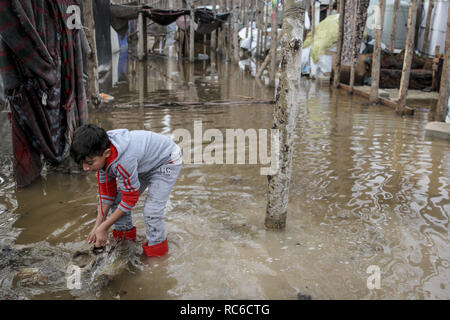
[132, 153]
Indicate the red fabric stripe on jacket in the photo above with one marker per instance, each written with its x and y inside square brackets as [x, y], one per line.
[126, 178]
[130, 198]
[109, 188]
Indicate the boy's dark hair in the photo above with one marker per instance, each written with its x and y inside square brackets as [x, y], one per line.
[88, 141]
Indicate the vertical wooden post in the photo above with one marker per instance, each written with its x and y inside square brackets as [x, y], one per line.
[394, 26]
[252, 18]
[376, 56]
[213, 43]
[426, 40]
[266, 23]
[337, 68]
[220, 31]
[142, 35]
[246, 18]
[258, 28]
[442, 105]
[354, 53]
[330, 7]
[92, 62]
[235, 31]
[261, 27]
[273, 45]
[435, 68]
[409, 51]
[230, 30]
[192, 32]
[286, 113]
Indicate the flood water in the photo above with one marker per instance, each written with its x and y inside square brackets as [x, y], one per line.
[368, 189]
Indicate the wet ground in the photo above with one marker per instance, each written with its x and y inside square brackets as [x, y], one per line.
[368, 189]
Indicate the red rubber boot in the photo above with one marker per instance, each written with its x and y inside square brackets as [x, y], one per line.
[156, 250]
[129, 234]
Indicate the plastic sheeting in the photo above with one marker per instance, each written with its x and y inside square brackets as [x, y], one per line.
[323, 65]
[245, 42]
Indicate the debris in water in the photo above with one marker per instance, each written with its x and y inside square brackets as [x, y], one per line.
[106, 97]
[30, 277]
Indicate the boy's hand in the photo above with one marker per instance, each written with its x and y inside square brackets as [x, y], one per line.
[91, 236]
[101, 237]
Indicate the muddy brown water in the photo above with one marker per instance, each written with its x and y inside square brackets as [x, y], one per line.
[368, 189]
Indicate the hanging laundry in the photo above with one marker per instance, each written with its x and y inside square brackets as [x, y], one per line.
[41, 66]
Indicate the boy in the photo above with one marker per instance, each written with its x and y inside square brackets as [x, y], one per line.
[126, 163]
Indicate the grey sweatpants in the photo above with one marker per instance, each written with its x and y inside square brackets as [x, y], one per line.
[159, 182]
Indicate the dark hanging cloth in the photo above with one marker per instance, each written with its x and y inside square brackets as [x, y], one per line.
[347, 49]
[164, 17]
[41, 66]
[120, 14]
[208, 22]
[205, 18]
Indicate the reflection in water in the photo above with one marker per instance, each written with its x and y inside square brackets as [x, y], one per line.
[368, 189]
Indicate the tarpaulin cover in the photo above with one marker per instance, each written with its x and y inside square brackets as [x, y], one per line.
[325, 37]
[41, 66]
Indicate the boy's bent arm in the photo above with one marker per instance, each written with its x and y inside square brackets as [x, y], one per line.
[117, 214]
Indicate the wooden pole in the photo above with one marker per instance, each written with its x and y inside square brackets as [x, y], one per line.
[354, 53]
[246, 18]
[227, 38]
[376, 56]
[266, 24]
[192, 32]
[394, 26]
[261, 26]
[286, 112]
[273, 46]
[258, 28]
[330, 7]
[142, 35]
[235, 31]
[426, 40]
[337, 68]
[435, 68]
[220, 32]
[252, 18]
[213, 43]
[442, 105]
[409, 51]
[92, 62]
